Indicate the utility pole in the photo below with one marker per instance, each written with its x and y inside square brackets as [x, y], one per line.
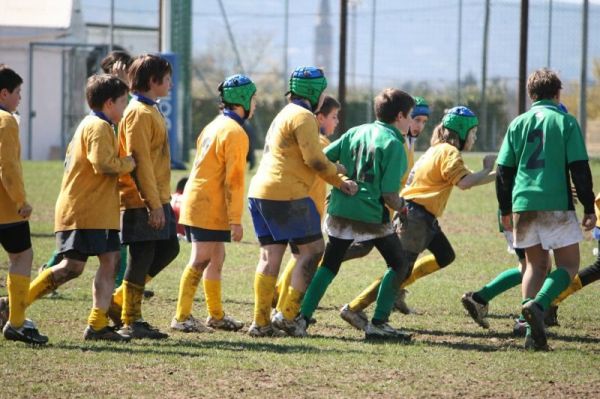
[112, 26]
[484, 121]
[286, 26]
[523, 54]
[549, 55]
[342, 69]
[459, 51]
[583, 81]
[372, 65]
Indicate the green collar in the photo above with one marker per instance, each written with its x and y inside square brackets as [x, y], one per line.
[545, 103]
[392, 128]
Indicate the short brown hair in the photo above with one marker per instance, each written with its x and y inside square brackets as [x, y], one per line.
[390, 102]
[329, 104]
[115, 56]
[147, 68]
[101, 88]
[442, 134]
[543, 84]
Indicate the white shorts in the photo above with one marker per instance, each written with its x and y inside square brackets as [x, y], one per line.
[551, 229]
[347, 229]
[508, 234]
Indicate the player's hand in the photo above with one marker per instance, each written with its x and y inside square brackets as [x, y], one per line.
[589, 221]
[237, 232]
[349, 187]
[489, 161]
[506, 220]
[341, 169]
[119, 69]
[156, 218]
[131, 159]
[25, 210]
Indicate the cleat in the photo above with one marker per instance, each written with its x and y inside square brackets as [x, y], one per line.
[4, 311]
[227, 323]
[551, 317]
[357, 319]
[520, 328]
[293, 328]
[106, 334]
[531, 345]
[534, 315]
[477, 311]
[385, 331]
[148, 294]
[27, 333]
[264, 331]
[400, 303]
[191, 324]
[140, 330]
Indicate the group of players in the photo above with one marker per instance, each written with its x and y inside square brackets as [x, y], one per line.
[115, 195]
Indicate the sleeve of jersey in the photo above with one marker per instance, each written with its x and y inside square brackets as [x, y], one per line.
[505, 178]
[137, 138]
[506, 155]
[11, 174]
[453, 167]
[576, 150]
[582, 179]
[236, 149]
[393, 168]
[312, 154]
[102, 154]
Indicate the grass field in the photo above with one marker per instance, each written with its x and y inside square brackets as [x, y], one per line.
[450, 355]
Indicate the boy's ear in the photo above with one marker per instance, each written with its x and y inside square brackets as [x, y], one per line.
[4, 92]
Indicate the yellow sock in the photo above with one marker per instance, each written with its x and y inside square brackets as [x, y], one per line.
[117, 297]
[212, 294]
[291, 307]
[283, 285]
[18, 295]
[98, 319]
[570, 290]
[42, 285]
[188, 285]
[365, 298]
[132, 302]
[425, 265]
[264, 288]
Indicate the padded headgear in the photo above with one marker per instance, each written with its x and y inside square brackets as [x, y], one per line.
[460, 119]
[421, 108]
[237, 89]
[309, 83]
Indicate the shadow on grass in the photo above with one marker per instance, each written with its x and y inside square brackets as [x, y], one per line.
[176, 347]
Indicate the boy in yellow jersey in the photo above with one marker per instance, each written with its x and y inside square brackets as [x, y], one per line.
[282, 211]
[15, 236]
[92, 168]
[147, 220]
[427, 190]
[212, 206]
[327, 116]
[419, 118]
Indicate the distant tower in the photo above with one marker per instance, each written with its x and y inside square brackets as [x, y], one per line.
[323, 38]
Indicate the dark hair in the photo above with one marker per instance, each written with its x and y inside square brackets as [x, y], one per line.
[390, 102]
[442, 134]
[181, 184]
[146, 68]
[101, 88]
[115, 56]
[9, 79]
[329, 104]
[543, 84]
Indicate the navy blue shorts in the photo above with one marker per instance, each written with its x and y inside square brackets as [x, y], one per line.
[198, 234]
[280, 222]
[79, 244]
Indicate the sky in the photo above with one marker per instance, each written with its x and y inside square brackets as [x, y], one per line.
[414, 41]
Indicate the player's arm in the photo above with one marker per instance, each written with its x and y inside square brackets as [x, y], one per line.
[484, 176]
[235, 148]
[11, 174]
[103, 156]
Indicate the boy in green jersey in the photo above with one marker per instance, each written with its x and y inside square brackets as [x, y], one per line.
[543, 148]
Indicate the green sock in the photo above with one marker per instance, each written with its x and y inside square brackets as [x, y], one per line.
[503, 282]
[315, 291]
[555, 283]
[388, 289]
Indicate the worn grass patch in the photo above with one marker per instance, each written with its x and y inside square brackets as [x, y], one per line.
[450, 356]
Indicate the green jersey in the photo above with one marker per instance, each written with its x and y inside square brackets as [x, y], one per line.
[375, 159]
[540, 144]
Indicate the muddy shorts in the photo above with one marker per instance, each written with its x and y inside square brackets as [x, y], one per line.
[198, 234]
[280, 222]
[135, 227]
[551, 229]
[348, 229]
[417, 228]
[510, 240]
[15, 237]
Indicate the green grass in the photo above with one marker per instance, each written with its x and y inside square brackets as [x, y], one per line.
[450, 356]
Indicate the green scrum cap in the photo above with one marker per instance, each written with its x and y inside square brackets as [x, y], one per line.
[460, 119]
[309, 83]
[421, 108]
[237, 89]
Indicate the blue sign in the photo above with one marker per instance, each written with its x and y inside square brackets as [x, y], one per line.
[169, 108]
